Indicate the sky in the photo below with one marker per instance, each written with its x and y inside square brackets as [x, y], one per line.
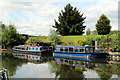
[36, 17]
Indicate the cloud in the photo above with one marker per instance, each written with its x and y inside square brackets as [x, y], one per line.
[110, 9]
[37, 17]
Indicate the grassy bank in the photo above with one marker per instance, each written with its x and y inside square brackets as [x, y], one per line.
[77, 39]
[82, 40]
[65, 39]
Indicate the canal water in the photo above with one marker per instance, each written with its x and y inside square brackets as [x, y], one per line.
[22, 65]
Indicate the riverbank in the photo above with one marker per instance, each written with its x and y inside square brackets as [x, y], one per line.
[75, 40]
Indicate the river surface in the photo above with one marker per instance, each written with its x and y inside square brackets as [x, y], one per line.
[20, 65]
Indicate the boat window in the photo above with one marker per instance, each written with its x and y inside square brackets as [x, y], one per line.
[61, 60]
[76, 49]
[66, 61]
[81, 49]
[44, 47]
[71, 49]
[36, 57]
[36, 48]
[71, 62]
[66, 49]
[51, 48]
[57, 49]
[26, 48]
[29, 48]
[40, 48]
[32, 48]
[76, 62]
[61, 49]
[89, 49]
[19, 48]
[33, 57]
[23, 48]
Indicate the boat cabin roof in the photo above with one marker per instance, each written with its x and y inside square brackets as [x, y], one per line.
[27, 46]
[79, 46]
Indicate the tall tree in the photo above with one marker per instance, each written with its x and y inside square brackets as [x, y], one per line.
[88, 31]
[70, 21]
[103, 25]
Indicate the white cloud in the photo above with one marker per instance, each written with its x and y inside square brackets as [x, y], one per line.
[109, 8]
[37, 17]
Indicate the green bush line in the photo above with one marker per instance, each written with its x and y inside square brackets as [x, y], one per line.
[81, 40]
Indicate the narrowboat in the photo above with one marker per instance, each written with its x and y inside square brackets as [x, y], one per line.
[33, 49]
[79, 52]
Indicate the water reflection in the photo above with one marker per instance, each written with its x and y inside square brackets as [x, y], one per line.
[72, 68]
[11, 64]
[41, 66]
[15, 61]
[33, 58]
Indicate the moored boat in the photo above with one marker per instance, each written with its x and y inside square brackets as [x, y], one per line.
[79, 52]
[33, 49]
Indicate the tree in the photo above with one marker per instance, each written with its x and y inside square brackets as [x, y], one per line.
[53, 36]
[88, 31]
[10, 37]
[94, 32]
[103, 25]
[70, 22]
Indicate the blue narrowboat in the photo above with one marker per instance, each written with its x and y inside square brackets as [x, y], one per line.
[32, 48]
[79, 52]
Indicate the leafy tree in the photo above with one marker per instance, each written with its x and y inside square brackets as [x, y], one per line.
[88, 31]
[53, 36]
[94, 32]
[103, 25]
[70, 22]
[10, 37]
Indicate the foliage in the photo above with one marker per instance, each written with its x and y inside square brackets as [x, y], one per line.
[103, 25]
[102, 40]
[53, 36]
[114, 32]
[88, 31]
[10, 37]
[11, 64]
[70, 22]
[94, 32]
[37, 39]
[65, 72]
[115, 42]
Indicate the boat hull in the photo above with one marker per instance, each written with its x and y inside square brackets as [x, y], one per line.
[81, 55]
[26, 51]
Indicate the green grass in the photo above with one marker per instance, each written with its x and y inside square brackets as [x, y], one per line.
[77, 38]
[38, 39]
[65, 39]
